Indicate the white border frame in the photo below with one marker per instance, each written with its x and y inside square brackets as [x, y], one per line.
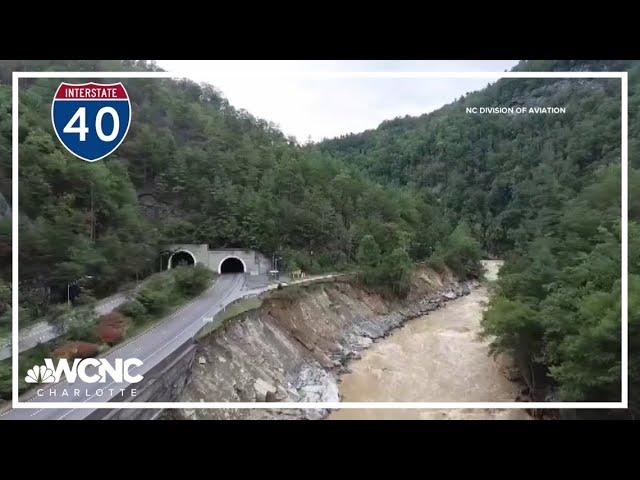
[623, 404]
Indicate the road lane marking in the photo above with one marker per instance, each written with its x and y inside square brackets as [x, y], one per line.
[165, 323]
[172, 340]
[235, 289]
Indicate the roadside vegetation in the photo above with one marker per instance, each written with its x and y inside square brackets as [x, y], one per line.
[445, 188]
[209, 173]
[87, 335]
[542, 192]
[391, 273]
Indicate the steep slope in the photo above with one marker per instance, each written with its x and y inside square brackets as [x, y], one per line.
[192, 169]
[506, 174]
[297, 344]
[543, 191]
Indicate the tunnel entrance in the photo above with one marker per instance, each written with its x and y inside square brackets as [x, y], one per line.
[181, 258]
[231, 265]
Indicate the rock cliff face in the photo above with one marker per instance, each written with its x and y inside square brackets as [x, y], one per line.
[297, 344]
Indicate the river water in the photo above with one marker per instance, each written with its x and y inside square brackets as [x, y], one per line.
[438, 357]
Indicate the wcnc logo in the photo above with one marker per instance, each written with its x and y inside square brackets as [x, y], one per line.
[81, 370]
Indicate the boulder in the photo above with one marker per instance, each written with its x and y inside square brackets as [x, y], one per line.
[262, 388]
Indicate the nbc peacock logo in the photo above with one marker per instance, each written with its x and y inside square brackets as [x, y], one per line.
[88, 370]
[39, 374]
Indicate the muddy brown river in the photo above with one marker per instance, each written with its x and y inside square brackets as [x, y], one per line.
[435, 358]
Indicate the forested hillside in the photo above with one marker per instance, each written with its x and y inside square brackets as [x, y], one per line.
[193, 169]
[543, 192]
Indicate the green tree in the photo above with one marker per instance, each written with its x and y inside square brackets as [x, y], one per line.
[462, 253]
[368, 252]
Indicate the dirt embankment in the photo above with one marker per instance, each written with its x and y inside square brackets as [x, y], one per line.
[296, 345]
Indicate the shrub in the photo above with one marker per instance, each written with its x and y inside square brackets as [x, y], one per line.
[28, 315]
[113, 319]
[79, 324]
[109, 335]
[157, 295]
[396, 271]
[332, 261]
[289, 294]
[134, 310]
[299, 260]
[76, 350]
[389, 272]
[368, 254]
[436, 260]
[81, 332]
[170, 288]
[58, 313]
[461, 253]
[84, 299]
[111, 328]
[191, 281]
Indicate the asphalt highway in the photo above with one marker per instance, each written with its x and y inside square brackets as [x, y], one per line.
[151, 346]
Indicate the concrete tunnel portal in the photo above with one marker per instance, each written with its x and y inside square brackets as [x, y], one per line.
[232, 265]
[220, 260]
[182, 257]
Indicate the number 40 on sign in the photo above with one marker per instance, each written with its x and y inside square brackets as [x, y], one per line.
[91, 120]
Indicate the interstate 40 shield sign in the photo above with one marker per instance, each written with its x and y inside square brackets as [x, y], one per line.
[91, 119]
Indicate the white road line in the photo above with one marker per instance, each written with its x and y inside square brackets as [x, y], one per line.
[62, 416]
[231, 291]
[234, 292]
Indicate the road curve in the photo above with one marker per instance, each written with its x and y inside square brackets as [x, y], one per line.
[151, 346]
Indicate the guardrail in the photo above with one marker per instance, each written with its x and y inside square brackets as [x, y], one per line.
[253, 300]
[237, 307]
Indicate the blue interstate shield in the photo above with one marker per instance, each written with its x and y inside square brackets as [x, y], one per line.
[91, 119]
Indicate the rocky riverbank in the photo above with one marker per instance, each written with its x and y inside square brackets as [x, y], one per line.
[440, 357]
[297, 345]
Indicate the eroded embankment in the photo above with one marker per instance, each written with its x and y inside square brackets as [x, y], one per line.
[296, 345]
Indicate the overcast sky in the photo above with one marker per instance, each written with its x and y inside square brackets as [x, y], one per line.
[325, 108]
